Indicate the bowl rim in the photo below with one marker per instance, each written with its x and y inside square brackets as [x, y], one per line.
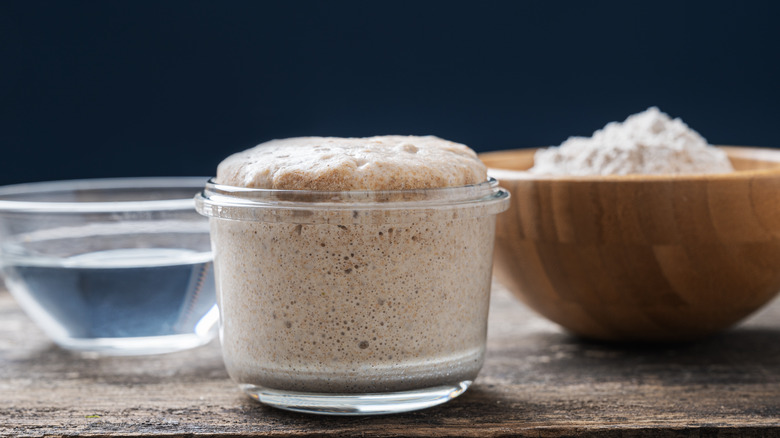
[15, 206]
[753, 152]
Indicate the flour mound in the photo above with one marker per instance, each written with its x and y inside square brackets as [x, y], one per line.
[649, 142]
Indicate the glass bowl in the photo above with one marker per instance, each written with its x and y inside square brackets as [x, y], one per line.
[113, 266]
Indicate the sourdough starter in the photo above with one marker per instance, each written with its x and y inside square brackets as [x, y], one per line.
[384, 300]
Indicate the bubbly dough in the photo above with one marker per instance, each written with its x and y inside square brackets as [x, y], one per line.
[354, 307]
[392, 162]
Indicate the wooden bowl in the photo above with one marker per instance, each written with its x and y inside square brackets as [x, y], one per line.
[641, 257]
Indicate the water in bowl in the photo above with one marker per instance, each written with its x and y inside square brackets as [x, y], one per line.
[118, 300]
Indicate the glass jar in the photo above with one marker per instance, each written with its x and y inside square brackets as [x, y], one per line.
[357, 302]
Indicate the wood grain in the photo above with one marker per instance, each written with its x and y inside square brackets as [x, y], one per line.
[651, 258]
[537, 381]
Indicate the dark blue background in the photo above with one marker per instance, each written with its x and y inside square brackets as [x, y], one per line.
[126, 88]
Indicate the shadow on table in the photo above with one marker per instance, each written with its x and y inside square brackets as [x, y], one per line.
[195, 365]
[741, 356]
[450, 414]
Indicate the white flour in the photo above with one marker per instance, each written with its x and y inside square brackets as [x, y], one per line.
[646, 143]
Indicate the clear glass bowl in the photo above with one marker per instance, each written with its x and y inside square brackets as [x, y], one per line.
[353, 303]
[114, 266]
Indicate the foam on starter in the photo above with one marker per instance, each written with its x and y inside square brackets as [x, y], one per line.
[391, 162]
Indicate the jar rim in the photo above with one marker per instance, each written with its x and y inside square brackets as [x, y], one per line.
[311, 206]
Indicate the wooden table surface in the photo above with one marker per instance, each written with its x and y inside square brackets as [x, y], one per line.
[537, 381]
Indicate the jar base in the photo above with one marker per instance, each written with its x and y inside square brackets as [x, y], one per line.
[356, 404]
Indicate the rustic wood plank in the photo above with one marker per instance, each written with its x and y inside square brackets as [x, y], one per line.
[537, 381]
